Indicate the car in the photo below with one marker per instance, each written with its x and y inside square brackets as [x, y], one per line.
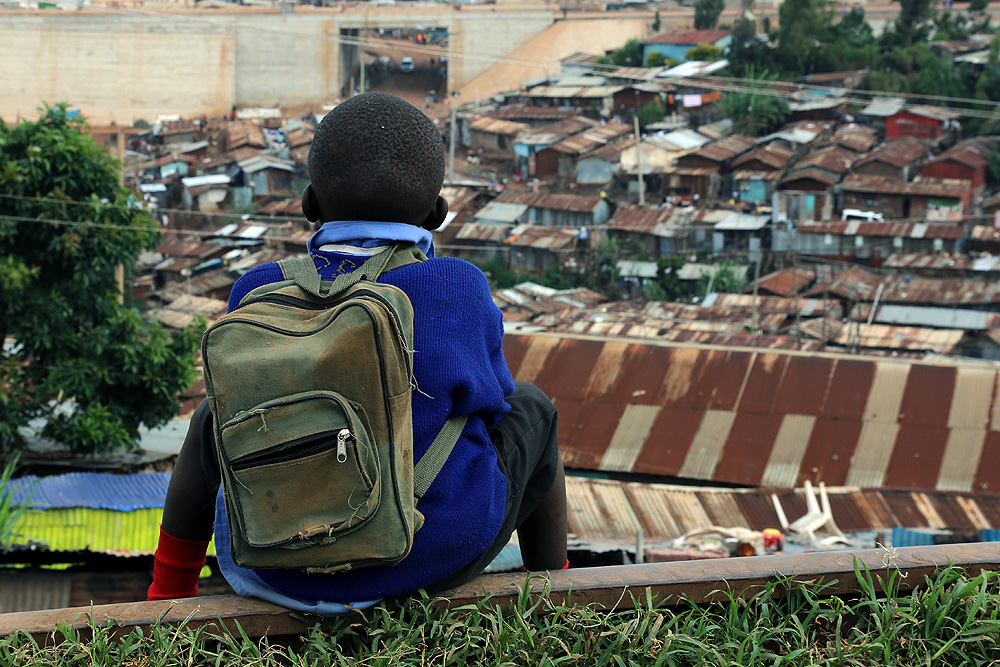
[406, 65]
[856, 214]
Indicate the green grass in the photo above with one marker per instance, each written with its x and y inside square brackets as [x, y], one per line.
[954, 620]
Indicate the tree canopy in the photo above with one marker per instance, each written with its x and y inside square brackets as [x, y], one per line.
[755, 112]
[91, 369]
[707, 13]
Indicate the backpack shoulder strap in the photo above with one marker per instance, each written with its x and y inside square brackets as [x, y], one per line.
[430, 464]
[302, 270]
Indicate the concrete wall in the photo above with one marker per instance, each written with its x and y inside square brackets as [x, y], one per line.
[118, 66]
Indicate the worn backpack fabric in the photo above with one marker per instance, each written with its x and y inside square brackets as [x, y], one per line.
[309, 382]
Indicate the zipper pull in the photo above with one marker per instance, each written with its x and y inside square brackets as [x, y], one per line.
[342, 445]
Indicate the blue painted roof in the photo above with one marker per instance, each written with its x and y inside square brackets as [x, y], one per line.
[93, 490]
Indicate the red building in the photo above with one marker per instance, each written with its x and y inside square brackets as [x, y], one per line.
[919, 122]
[965, 161]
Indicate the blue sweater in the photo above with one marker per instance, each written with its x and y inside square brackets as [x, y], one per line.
[460, 369]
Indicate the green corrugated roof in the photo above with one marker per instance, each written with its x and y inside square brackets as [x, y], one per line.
[80, 528]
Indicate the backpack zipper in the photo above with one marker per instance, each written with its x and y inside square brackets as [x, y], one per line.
[296, 449]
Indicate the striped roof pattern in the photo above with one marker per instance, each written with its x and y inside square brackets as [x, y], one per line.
[766, 417]
[124, 493]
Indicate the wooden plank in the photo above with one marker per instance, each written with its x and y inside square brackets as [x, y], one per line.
[605, 587]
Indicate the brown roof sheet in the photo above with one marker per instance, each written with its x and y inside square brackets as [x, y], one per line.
[606, 512]
[556, 202]
[786, 283]
[856, 284]
[497, 126]
[538, 236]
[897, 152]
[930, 187]
[591, 139]
[834, 159]
[856, 138]
[969, 153]
[726, 149]
[985, 233]
[187, 246]
[810, 174]
[644, 220]
[934, 113]
[917, 261]
[478, 231]
[561, 128]
[517, 112]
[692, 37]
[291, 207]
[770, 418]
[773, 155]
[244, 133]
[911, 230]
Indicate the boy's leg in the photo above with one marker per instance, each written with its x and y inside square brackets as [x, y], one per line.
[527, 441]
[542, 535]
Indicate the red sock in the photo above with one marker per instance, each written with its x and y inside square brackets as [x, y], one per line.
[564, 567]
[176, 567]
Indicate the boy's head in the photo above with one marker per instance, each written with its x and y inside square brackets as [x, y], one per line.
[376, 157]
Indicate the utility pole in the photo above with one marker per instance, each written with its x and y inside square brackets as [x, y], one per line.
[638, 162]
[364, 46]
[451, 143]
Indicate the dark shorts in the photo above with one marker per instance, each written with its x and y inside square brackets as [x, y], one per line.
[528, 453]
[527, 450]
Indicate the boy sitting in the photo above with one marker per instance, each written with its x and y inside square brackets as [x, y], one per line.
[377, 166]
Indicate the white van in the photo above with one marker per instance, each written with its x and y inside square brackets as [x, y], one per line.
[858, 214]
[406, 65]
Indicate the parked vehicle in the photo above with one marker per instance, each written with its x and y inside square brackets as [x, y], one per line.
[406, 65]
[857, 214]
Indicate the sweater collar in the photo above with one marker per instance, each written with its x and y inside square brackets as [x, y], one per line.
[366, 234]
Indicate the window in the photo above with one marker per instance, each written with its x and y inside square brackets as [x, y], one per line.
[897, 242]
[938, 245]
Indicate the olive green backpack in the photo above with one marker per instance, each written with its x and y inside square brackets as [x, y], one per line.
[309, 382]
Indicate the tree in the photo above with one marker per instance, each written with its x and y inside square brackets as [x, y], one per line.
[993, 166]
[652, 113]
[707, 13]
[753, 112]
[629, 55]
[704, 52]
[91, 369]
[745, 50]
[911, 24]
[729, 278]
[668, 285]
[657, 24]
[803, 25]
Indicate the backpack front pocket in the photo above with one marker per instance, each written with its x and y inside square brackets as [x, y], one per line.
[303, 470]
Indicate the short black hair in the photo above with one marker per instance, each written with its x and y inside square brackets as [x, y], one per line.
[376, 157]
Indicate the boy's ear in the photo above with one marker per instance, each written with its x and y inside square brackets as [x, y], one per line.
[435, 218]
[310, 204]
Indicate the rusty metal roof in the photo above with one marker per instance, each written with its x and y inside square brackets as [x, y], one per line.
[805, 307]
[186, 246]
[244, 133]
[557, 202]
[856, 284]
[291, 207]
[727, 148]
[553, 132]
[856, 138]
[475, 231]
[591, 139]
[786, 283]
[934, 113]
[834, 159]
[914, 260]
[539, 236]
[772, 155]
[886, 337]
[497, 126]
[911, 230]
[969, 153]
[524, 112]
[928, 187]
[643, 220]
[768, 418]
[810, 174]
[692, 37]
[985, 233]
[898, 152]
[181, 311]
[608, 512]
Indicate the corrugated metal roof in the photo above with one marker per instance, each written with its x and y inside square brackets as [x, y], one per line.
[897, 152]
[856, 138]
[94, 490]
[537, 236]
[772, 155]
[557, 202]
[786, 283]
[502, 212]
[859, 285]
[883, 107]
[913, 230]
[592, 139]
[942, 318]
[881, 336]
[939, 262]
[606, 512]
[525, 112]
[985, 233]
[727, 148]
[693, 37]
[720, 413]
[642, 220]
[929, 187]
[497, 126]
[474, 231]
